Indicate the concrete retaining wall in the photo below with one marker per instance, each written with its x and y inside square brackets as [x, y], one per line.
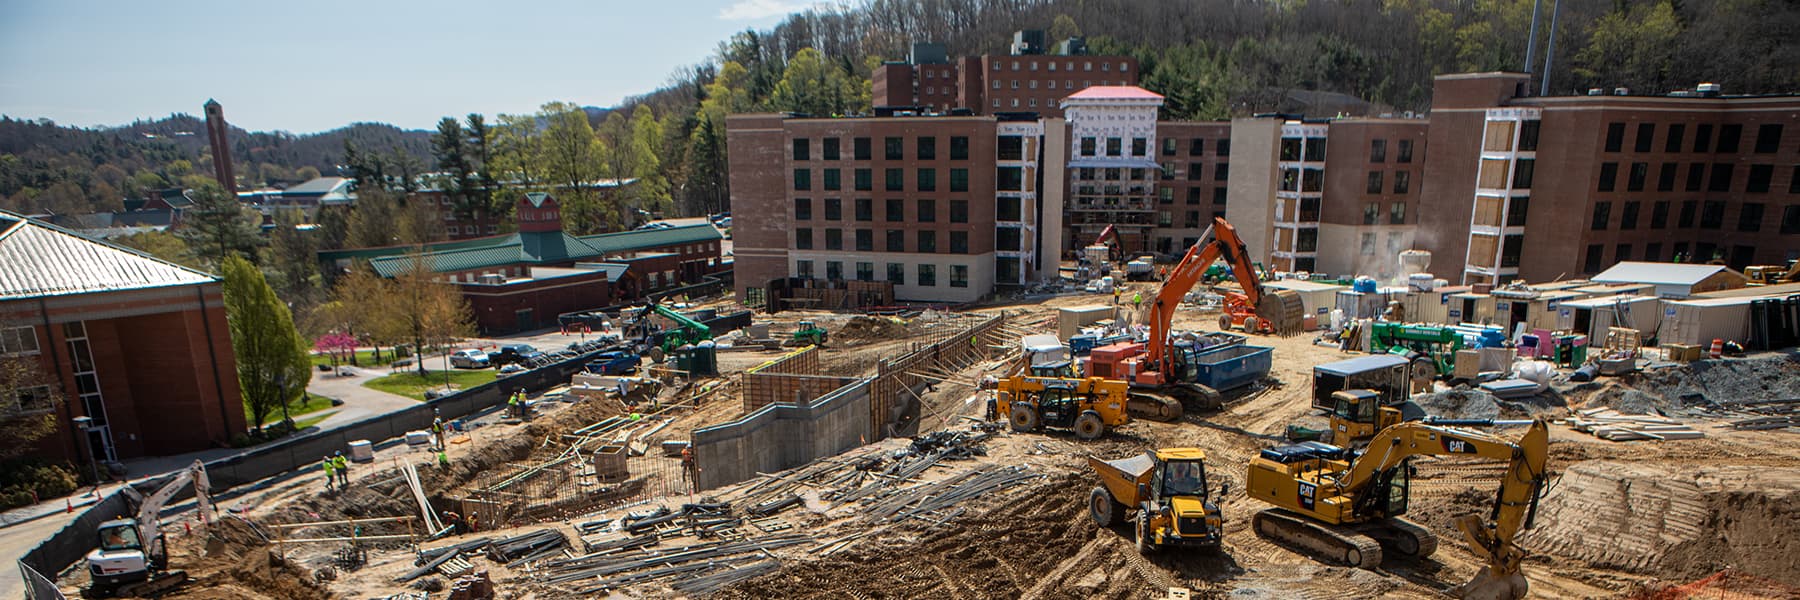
[782, 436]
[895, 403]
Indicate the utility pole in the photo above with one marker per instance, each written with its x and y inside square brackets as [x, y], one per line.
[1531, 39]
[1550, 49]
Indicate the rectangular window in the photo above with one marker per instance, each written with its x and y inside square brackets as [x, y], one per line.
[1087, 146]
[1790, 219]
[834, 209]
[803, 238]
[1602, 214]
[1516, 210]
[1405, 153]
[1377, 151]
[1368, 244]
[1680, 250]
[1397, 213]
[927, 148]
[802, 209]
[1646, 135]
[1721, 177]
[865, 271]
[1194, 171]
[959, 276]
[1522, 173]
[1703, 138]
[894, 148]
[1168, 146]
[1696, 176]
[18, 340]
[1011, 147]
[1609, 176]
[1140, 147]
[1115, 146]
[1592, 262]
[1728, 137]
[863, 180]
[1165, 195]
[1222, 172]
[1006, 209]
[959, 180]
[861, 147]
[896, 210]
[1009, 179]
[1665, 177]
[833, 181]
[802, 149]
[1510, 249]
[1315, 149]
[959, 147]
[1768, 138]
[927, 211]
[803, 269]
[1659, 215]
[834, 240]
[959, 242]
[1193, 195]
[1759, 179]
[1371, 213]
[1712, 214]
[959, 211]
[865, 209]
[1168, 171]
[1750, 217]
[1192, 220]
[896, 240]
[1219, 196]
[1794, 181]
[927, 241]
[1688, 208]
[928, 275]
[865, 240]
[1006, 239]
[802, 179]
[1676, 131]
[1402, 182]
[1528, 135]
[1197, 147]
[1615, 137]
[1622, 253]
[1639, 172]
[927, 180]
[1223, 148]
[831, 148]
[896, 273]
[1653, 252]
[1374, 182]
[1628, 217]
[896, 180]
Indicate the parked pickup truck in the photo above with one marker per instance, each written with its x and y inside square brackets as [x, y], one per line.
[616, 362]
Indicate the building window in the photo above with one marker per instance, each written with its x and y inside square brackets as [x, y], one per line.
[1009, 179]
[1653, 252]
[1006, 239]
[1665, 177]
[1368, 244]
[1405, 151]
[1115, 146]
[1522, 173]
[833, 181]
[1629, 216]
[1168, 146]
[1688, 208]
[1703, 138]
[1673, 144]
[1087, 146]
[1290, 149]
[896, 240]
[1615, 137]
[1196, 147]
[18, 340]
[863, 183]
[1402, 182]
[896, 210]
[1219, 196]
[865, 271]
[1194, 171]
[1192, 219]
[1374, 182]
[1790, 219]
[896, 273]
[834, 209]
[896, 180]
[1012, 147]
[834, 270]
[1696, 176]
[894, 149]
[1602, 213]
[927, 241]
[1728, 138]
[865, 240]
[1794, 181]
[1528, 135]
[802, 209]
[1750, 217]
[802, 179]
[1759, 179]
[1635, 181]
[1712, 214]
[1193, 195]
[1221, 172]
[1168, 171]
[1646, 134]
[1516, 210]
[959, 276]
[959, 242]
[1622, 253]
[1397, 213]
[928, 275]
[1371, 213]
[927, 211]
[865, 210]
[959, 147]
[831, 148]
[1768, 138]
[803, 238]
[1659, 214]
[861, 147]
[802, 149]
[803, 269]
[1165, 195]
[1377, 151]
[959, 211]
[1315, 149]
[1006, 209]
[1721, 177]
[1609, 176]
[30, 400]
[927, 149]
[1680, 251]
[1592, 262]
[1140, 147]
[927, 180]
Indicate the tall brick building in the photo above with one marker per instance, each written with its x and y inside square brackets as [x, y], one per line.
[138, 345]
[1025, 80]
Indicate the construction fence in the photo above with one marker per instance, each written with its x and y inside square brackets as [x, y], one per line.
[75, 539]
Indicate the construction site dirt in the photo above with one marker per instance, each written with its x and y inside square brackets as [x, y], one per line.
[885, 520]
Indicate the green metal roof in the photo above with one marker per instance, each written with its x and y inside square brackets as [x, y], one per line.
[451, 260]
[628, 241]
[540, 248]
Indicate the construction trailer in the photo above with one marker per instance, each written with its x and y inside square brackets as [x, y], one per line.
[1070, 320]
[1315, 298]
[1699, 322]
[1593, 316]
[1473, 306]
[1430, 306]
[1675, 280]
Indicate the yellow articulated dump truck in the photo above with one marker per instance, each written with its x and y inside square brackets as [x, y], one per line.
[1167, 489]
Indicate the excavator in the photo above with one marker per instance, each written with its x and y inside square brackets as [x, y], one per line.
[1161, 369]
[1345, 508]
[1089, 406]
[133, 556]
[1761, 275]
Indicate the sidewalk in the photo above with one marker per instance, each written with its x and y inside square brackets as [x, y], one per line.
[359, 402]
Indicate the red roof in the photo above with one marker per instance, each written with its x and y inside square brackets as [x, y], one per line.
[1115, 92]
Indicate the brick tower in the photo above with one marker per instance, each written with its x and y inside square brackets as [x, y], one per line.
[221, 148]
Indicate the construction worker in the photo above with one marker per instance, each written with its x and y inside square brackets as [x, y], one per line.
[1116, 296]
[437, 431]
[516, 403]
[687, 463]
[330, 467]
[343, 469]
[443, 459]
[1137, 300]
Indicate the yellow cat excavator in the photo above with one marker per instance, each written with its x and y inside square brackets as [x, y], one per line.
[1345, 509]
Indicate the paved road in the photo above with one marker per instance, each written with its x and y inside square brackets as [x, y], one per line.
[359, 402]
[18, 539]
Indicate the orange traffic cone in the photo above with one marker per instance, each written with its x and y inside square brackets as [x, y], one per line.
[1718, 348]
[68, 505]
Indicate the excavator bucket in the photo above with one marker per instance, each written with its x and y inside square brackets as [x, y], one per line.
[1282, 309]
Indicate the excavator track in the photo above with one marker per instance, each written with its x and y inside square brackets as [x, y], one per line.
[1151, 406]
[1404, 537]
[1335, 545]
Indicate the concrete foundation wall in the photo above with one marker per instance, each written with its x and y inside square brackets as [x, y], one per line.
[782, 436]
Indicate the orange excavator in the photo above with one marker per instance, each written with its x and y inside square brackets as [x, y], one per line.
[1160, 367]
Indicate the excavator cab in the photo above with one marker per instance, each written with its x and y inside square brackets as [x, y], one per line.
[1357, 415]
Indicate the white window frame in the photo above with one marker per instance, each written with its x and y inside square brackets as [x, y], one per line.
[13, 341]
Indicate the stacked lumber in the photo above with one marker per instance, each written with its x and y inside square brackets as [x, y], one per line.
[1609, 424]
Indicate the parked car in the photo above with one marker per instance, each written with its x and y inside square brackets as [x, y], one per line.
[514, 353]
[615, 362]
[724, 223]
[469, 358]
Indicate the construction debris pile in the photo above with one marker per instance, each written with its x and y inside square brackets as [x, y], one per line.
[1609, 424]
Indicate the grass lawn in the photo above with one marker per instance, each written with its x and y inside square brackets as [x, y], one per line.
[409, 383]
[302, 424]
[364, 358]
[311, 404]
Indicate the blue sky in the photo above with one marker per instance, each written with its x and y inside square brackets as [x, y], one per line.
[317, 65]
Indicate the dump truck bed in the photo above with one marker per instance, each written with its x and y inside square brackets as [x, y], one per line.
[1122, 476]
[1232, 366]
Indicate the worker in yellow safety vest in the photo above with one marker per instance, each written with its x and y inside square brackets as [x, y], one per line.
[330, 467]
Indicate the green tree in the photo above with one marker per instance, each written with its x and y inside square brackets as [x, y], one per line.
[814, 85]
[272, 363]
[218, 226]
[571, 158]
[291, 260]
[384, 218]
[1634, 49]
[306, 173]
[1062, 28]
[428, 312]
[480, 152]
[28, 394]
[450, 147]
[163, 245]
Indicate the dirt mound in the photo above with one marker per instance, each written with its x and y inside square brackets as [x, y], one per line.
[1460, 403]
[1698, 384]
[872, 329]
[257, 575]
[1675, 522]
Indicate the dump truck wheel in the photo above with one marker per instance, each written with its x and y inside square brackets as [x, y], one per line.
[1106, 511]
[1088, 426]
[1143, 531]
[1023, 417]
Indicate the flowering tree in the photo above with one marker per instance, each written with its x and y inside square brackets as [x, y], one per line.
[335, 345]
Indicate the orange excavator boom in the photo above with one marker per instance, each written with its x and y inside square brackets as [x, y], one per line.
[1219, 241]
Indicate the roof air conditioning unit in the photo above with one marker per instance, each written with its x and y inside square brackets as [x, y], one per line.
[1621, 91]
